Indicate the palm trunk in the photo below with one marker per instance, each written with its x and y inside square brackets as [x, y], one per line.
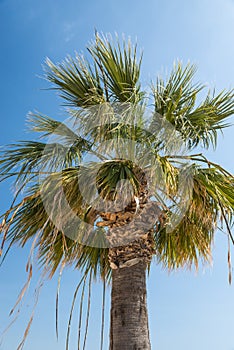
[129, 317]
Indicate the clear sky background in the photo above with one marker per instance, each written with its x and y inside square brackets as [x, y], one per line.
[187, 310]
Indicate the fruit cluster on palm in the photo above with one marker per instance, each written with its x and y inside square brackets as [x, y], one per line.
[118, 239]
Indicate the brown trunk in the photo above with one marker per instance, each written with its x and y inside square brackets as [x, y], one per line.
[129, 317]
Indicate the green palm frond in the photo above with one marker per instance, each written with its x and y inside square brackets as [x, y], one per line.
[175, 99]
[121, 69]
[218, 186]
[53, 247]
[78, 83]
[177, 93]
[212, 202]
[66, 133]
[113, 75]
[111, 173]
[30, 158]
[185, 246]
[209, 117]
[48, 126]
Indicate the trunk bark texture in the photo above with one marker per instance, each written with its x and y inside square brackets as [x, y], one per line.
[129, 317]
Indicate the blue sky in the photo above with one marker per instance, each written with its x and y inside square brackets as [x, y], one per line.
[186, 309]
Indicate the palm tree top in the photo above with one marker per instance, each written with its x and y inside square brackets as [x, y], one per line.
[111, 79]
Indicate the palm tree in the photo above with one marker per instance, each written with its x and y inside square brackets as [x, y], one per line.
[110, 188]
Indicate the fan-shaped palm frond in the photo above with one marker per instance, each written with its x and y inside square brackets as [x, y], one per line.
[115, 73]
[53, 247]
[32, 158]
[212, 202]
[121, 70]
[175, 99]
[78, 82]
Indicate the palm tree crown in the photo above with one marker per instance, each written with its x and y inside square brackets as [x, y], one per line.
[106, 105]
